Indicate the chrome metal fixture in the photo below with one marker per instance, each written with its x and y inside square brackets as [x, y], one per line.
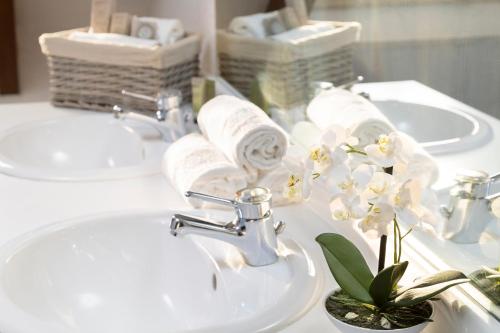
[253, 231]
[470, 207]
[167, 101]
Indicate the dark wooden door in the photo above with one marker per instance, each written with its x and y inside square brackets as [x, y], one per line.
[8, 54]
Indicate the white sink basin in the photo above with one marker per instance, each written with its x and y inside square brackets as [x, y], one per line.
[126, 273]
[90, 147]
[438, 130]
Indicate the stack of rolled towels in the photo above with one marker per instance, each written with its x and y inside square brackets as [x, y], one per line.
[240, 146]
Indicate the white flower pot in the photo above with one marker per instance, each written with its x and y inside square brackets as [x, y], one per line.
[346, 328]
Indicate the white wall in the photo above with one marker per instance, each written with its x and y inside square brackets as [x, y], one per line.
[414, 21]
[227, 9]
[197, 16]
[452, 46]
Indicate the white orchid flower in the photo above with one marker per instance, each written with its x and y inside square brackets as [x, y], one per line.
[351, 183]
[336, 136]
[406, 200]
[380, 186]
[294, 189]
[322, 159]
[344, 208]
[387, 151]
[378, 220]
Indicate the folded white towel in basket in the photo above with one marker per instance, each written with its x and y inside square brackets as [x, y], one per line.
[165, 31]
[343, 108]
[251, 25]
[112, 39]
[302, 33]
[193, 163]
[243, 132]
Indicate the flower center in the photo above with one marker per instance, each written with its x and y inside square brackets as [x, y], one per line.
[384, 144]
[347, 185]
[342, 215]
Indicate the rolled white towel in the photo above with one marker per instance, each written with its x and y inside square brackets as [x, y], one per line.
[243, 132]
[165, 31]
[192, 163]
[112, 39]
[308, 31]
[343, 108]
[251, 25]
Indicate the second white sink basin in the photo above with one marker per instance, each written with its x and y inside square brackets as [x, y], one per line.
[90, 147]
[126, 273]
[438, 130]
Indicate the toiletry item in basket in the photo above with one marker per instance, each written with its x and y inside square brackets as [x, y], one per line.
[289, 18]
[300, 8]
[243, 132]
[120, 23]
[192, 163]
[273, 25]
[100, 16]
[165, 31]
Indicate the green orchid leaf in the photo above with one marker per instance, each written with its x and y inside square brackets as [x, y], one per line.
[386, 282]
[428, 287]
[440, 277]
[347, 265]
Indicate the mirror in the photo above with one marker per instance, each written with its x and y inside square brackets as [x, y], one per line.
[430, 67]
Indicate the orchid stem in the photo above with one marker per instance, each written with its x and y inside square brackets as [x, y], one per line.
[395, 256]
[381, 252]
[397, 233]
[383, 239]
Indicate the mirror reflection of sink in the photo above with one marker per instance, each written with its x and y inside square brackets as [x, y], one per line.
[126, 273]
[438, 130]
[89, 147]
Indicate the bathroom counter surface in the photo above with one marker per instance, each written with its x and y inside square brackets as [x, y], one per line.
[26, 205]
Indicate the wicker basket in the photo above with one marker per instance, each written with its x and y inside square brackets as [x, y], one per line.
[91, 76]
[285, 70]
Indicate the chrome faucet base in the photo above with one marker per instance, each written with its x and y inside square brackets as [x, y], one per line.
[253, 232]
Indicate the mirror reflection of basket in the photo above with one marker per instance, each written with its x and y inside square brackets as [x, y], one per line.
[284, 70]
[92, 76]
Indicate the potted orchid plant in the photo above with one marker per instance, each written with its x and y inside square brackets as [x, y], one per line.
[377, 187]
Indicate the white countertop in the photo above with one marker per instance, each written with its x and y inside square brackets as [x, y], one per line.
[26, 205]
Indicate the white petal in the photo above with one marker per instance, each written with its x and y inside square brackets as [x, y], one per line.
[362, 175]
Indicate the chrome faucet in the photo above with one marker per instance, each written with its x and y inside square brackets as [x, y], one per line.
[167, 101]
[470, 207]
[253, 231]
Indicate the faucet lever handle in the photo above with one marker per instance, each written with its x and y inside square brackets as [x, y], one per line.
[138, 96]
[211, 198]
